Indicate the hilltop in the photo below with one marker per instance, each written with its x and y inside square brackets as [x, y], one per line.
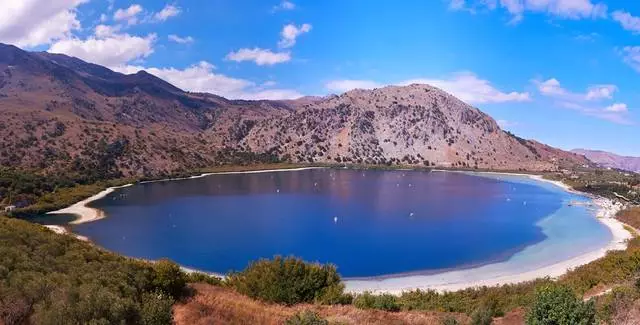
[61, 114]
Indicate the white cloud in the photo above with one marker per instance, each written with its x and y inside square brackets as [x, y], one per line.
[167, 12]
[601, 92]
[102, 31]
[631, 56]
[585, 103]
[29, 23]
[553, 88]
[617, 107]
[290, 33]
[112, 50]
[180, 40]
[284, 5]
[103, 18]
[130, 15]
[471, 89]
[628, 22]
[259, 56]
[465, 85]
[567, 9]
[201, 77]
[349, 84]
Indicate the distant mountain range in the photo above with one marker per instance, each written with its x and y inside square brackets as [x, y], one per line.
[59, 113]
[611, 160]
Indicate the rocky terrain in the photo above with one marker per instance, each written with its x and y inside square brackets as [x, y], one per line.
[61, 114]
[611, 160]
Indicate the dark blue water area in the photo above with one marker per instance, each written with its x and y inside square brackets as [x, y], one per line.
[367, 223]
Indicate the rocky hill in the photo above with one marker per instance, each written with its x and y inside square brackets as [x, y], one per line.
[611, 160]
[411, 125]
[60, 113]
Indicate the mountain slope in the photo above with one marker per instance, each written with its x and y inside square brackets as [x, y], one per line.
[412, 125]
[61, 114]
[611, 160]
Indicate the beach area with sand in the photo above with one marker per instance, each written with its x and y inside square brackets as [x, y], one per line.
[535, 261]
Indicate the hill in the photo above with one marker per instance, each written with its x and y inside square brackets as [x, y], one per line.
[61, 114]
[611, 160]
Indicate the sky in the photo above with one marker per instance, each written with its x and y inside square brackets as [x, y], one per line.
[563, 72]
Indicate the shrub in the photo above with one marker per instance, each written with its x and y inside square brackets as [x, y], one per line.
[287, 281]
[385, 302]
[557, 304]
[199, 277]
[306, 317]
[156, 309]
[482, 316]
[53, 279]
[450, 321]
[169, 279]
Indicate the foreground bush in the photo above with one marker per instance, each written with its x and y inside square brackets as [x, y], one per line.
[385, 302]
[287, 281]
[558, 305]
[306, 317]
[47, 278]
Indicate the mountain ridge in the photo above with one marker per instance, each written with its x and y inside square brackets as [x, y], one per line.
[60, 113]
[611, 160]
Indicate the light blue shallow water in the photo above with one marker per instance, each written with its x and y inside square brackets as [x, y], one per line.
[368, 223]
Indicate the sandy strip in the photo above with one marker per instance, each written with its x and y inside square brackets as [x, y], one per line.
[84, 212]
[501, 273]
[60, 230]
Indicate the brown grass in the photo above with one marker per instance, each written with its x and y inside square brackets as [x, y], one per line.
[515, 317]
[630, 216]
[216, 305]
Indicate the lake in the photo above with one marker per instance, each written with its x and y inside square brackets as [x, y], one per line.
[368, 223]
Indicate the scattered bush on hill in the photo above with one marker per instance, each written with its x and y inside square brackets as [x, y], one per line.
[288, 281]
[558, 304]
[384, 302]
[47, 278]
[306, 317]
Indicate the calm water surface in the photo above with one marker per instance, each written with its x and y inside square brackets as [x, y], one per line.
[368, 223]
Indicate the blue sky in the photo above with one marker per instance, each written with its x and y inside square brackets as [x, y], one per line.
[564, 72]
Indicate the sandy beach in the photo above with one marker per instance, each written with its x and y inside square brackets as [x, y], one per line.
[487, 275]
[84, 212]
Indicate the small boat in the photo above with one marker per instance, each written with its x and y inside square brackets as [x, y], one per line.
[335, 219]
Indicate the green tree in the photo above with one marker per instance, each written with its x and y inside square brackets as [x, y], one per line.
[558, 305]
[287, 281]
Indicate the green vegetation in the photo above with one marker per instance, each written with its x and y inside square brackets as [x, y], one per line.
[385, 302]
[47, 278]
[287, 281]
[612, 184]
[35, 194]
[556, 304]
[306, 317]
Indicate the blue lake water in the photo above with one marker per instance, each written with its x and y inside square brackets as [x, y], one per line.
[367, 223]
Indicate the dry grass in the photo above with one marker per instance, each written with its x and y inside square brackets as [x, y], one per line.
[515, 317]
[216, 305]
[630, 216]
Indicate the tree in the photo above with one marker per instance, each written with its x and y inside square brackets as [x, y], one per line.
[287, 281]
[558, 305]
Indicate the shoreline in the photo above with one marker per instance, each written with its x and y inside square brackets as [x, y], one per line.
[86, 213]
[494, 274]
[451, 280]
